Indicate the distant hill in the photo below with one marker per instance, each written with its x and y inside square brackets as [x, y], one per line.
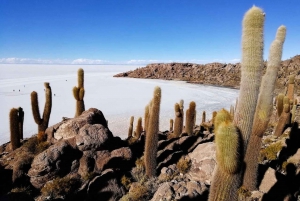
[218, 74]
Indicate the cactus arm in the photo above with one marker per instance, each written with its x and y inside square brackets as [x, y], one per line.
[35, 108]
[48, 105]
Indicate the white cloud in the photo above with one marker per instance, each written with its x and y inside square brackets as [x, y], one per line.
[14, 60]
[89, 61]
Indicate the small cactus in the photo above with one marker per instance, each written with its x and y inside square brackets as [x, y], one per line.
[78, 93]
[139, 129]
[171, 125]
[279, 104]
[203, 117]
[42, 122]
[178, 121]
[14, 128]
[190, 116]
[130, 130]
[284, 120]
[291, 87]
[21, 122]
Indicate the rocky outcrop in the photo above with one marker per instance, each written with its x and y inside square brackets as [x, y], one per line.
[218, 74]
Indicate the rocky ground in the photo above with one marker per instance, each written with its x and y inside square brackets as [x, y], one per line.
[80, 159]
[217, 74]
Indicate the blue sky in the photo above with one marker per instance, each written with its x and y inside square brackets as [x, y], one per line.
[136, 31]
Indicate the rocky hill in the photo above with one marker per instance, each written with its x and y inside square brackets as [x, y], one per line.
[218, 74]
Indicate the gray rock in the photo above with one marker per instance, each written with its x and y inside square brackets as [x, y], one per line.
[203, 162]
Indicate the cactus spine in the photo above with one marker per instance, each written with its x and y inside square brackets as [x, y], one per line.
[78, 93]
[178, 121]
[130, 127]
[190, 116]
[152, 135]
[42, 122]
[263, 110]
[14, 121]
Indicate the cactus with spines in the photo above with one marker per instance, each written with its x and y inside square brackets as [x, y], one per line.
[14, 122]
[221, 116]
[78, 93]
[279, 104]
[146, 118]
[139, 129]
[232, 111]
[284, 120]
[263, 110]
[44, 121]
[21, 122]
[190, 115]
[203, 117]
[213, 116]
[171, 124]
[225, 181]
[293, 112]
[178, 121]
[181, 105]
[291, 87]
[130, 129]
[152, 135]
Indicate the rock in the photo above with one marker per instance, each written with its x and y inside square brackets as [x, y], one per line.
[169, 191]
[93, 137]
[71, 127]
[105, 159]
[203, 162]
[105, 187]
[56, 160]
[86, 163]
[268, 181]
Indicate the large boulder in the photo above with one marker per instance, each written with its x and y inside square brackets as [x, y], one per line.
[57, 160]
[71, 127]
[203, 162]
[93, 137]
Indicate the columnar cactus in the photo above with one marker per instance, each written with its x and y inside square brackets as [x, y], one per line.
[78, 93]
[279, 104]
[171, 124]
[14, 128]
[263, 110]
[290, 88]
[21, 121]
[139, 128]
[232, 111]
[152, 135]
[42, 122]
[146, 118]
[251, 71]
[130, 129]
[284, 119]
[178, 121]
[203, 117]
[190, 116]
[225, 181]
[181, 105]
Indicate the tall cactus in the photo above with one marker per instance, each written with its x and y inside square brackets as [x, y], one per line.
[14, 128]
[21, 121]
[225, 181]
[130, 129]
[263, 110]
[78, 93]
[190, 116]
[139, 129]
[178, 121]
[152, 135]
[181, 105]
[251, 71]
[146, 118]
[291, 87]
[42, 122]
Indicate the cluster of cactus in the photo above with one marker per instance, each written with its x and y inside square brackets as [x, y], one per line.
[78, 93]
[16, 120]
[152, 134]
[44, 121]
[178, 123]
[253, 109]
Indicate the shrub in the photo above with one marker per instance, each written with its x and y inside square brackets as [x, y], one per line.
[184, 164]
[270, 152]
[60, 187]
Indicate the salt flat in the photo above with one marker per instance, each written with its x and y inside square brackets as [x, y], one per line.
[117, 98]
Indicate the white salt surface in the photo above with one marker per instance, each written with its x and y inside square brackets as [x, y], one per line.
[117, 98]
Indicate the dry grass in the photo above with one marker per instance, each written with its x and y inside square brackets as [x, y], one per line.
[184, 164]
[270, 152]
